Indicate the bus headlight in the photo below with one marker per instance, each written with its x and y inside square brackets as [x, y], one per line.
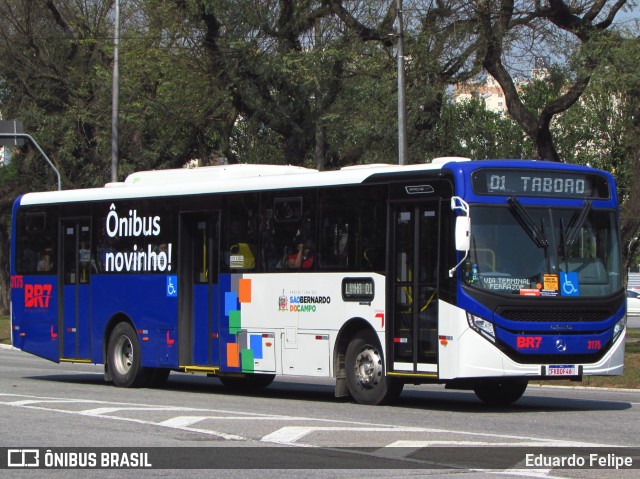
[619, 327]
[482, 326]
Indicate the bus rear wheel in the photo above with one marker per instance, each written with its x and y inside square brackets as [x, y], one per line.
[366, 378]
[124, 358]
[500, 393]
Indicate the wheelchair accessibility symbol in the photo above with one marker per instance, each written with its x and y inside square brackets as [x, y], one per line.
[569, 284]
[172, 286]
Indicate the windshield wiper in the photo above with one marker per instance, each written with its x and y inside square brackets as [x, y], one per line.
[527, 223]
[576, 223]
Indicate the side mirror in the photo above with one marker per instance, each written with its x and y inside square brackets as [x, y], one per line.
[463, 230]
[463, 233]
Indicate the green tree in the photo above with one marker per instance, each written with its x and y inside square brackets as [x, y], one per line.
[573, 26]
[57, 79]
[273, 77]
[603, 130]
[51, 78]
[468, 129]
[441, 47]
[170, 113]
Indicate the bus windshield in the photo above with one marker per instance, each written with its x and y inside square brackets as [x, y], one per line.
[541, 251]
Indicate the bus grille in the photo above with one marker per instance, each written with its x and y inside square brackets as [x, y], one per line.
[573, 315]
[557, 358]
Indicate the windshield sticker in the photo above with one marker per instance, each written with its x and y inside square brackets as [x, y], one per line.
[529, 292]
[549, 292]
[550, 282]
[569, 282]
[550, 286]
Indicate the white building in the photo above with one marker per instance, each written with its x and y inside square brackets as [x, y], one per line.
[488, 90]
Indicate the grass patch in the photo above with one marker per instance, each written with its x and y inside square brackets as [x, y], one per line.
[630, 379]
[5, 330]
[631, 376]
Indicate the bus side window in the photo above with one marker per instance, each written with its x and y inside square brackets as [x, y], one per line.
[240, 236]
[35, 243]
[352, 229]
[287, 223]
[334, 237]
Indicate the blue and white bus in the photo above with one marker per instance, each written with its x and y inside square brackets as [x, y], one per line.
[479, 275]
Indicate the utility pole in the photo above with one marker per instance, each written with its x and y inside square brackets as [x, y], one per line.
[402, 109]
[115, 88]
[319, 150]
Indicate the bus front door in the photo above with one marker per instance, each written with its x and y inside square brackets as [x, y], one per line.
[75, 327]
[413, 287]
[199, 292]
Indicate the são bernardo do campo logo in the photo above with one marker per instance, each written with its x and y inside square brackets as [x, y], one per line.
[301, 303]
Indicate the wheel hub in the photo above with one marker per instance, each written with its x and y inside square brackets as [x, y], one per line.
[368, 367]
[124, 355]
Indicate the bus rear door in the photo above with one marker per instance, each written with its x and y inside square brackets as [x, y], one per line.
[75, 327]
[199, 290]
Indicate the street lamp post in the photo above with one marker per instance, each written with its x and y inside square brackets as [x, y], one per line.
[16, 137]
[116, 81]
[402, 110]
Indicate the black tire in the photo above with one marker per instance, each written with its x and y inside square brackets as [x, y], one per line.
[124, 358]
[366, 378]
[248, 382]
[500, 393]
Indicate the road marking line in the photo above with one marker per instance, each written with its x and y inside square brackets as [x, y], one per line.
[287, 435]
[108, 410]
[100, 412]
[182, 421]
[532, 442]
[290, 434]
[27, 402]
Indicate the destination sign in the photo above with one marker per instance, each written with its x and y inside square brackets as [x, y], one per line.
[357, 289]
[540, 183]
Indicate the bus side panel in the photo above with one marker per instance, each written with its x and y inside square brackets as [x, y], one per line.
[152, 309]
[230, 321]
[286, 322]
[35, 315]
[34, 307]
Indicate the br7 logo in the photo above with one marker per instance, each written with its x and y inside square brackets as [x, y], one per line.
[37, 295]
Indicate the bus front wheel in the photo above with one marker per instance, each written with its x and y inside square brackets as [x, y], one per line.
[124, 358]
[500, 393]
[366, 379]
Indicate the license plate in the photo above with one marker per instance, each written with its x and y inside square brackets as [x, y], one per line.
[562, 370]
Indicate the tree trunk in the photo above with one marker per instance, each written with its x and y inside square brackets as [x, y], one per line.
[544, 145]
[5, 280]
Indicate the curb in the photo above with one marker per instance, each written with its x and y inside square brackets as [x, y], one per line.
[589, 388]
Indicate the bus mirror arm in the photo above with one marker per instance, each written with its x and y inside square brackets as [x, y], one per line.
[463, 230]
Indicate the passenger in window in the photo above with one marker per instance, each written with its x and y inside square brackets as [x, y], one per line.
[303, 258]
[46, 262]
